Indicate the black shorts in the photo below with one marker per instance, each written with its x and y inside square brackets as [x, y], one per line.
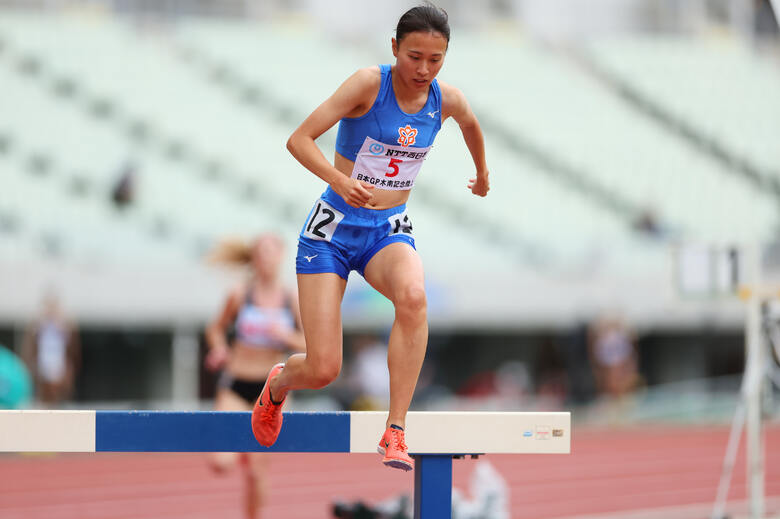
[248, 390]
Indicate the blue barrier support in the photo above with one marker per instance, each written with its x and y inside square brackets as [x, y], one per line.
[433, 486]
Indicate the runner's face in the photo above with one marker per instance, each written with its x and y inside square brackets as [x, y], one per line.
[419, 57]
[267, 256]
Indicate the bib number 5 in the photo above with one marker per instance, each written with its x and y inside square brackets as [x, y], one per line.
[323, 222]
[394, 167]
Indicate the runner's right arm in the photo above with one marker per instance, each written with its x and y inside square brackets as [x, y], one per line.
[349, 100]
[216, 332]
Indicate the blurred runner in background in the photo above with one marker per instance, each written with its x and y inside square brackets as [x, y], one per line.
[257, 326]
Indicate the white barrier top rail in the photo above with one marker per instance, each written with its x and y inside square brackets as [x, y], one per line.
[214, 431]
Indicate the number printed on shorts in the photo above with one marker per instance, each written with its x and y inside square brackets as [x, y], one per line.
[323, 222]
[400, 223]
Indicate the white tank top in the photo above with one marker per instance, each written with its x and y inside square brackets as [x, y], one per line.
[254, 324]
[52, 345]
[613, 348]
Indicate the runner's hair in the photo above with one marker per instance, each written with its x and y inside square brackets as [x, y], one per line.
[426, 18]
[236, 251]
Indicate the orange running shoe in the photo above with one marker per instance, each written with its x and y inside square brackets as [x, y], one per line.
[266, 415]
[393, 447]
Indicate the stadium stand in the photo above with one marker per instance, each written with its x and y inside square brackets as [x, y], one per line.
[719, 87]
[203, 108]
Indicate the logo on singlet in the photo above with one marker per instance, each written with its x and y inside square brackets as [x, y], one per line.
[406, 135]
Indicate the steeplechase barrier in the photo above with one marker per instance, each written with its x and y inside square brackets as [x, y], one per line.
[435, 438]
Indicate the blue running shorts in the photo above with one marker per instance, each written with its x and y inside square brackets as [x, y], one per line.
[340, 238]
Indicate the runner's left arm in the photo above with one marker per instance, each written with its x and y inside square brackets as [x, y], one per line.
[455, 105]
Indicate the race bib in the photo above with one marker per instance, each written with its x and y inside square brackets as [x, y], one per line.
[323, 222]
[388, 167]
[400, 223]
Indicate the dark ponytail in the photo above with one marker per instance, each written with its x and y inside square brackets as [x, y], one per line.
[427, 18]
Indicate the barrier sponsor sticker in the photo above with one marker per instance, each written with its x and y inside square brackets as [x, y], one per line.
[543, 432]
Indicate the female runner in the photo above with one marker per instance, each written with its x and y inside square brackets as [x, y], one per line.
[258, 323]
[388, 117]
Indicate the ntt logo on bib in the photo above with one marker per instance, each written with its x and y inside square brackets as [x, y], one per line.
[407, 135]
[376, 149]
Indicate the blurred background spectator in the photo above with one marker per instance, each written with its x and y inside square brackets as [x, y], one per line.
[613, 357]
[367, 376]
[15, 384]
[53, 353]
[124, 188]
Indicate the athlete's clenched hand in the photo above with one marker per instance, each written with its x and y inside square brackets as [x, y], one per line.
[216, 358]
[480, 185]
[353, 191]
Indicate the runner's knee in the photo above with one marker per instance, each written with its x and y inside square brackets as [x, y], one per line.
[411, 302]
[221, 463]
[325, 372]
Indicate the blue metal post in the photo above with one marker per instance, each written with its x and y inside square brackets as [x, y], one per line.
[433, 486]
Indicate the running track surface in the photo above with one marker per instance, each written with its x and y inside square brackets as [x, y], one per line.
[657, 472]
